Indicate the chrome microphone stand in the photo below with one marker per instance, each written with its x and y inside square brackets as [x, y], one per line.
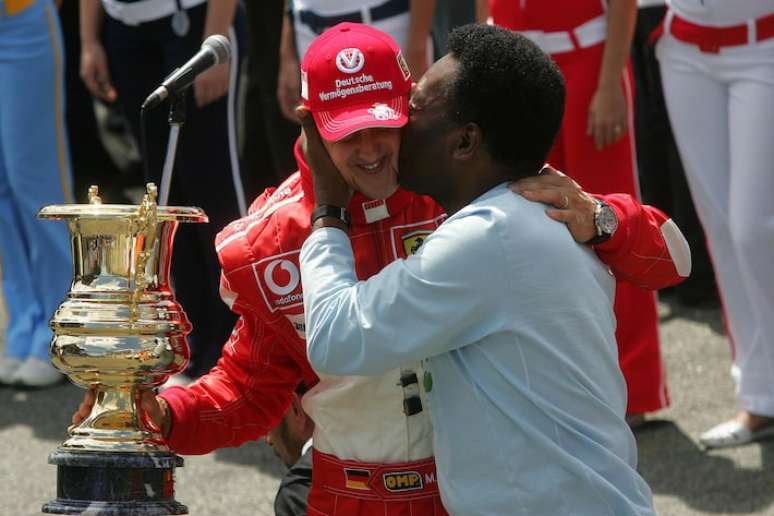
[177, 108]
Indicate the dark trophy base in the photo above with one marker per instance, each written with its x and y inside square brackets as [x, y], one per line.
[115, 484]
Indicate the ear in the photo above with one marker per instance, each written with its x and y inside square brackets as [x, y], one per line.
[467, 142]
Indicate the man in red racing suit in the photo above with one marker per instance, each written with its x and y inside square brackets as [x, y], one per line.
[373, 438]
[366, 428]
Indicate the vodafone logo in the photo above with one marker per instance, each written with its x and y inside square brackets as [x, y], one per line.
[350, 60]
[279, 280]
[292, 281]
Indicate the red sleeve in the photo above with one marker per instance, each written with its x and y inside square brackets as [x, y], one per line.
[241, 398]
[648, 249]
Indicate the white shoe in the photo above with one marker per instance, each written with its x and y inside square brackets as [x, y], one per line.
[8, 367]
[733, 433]
[35, 372]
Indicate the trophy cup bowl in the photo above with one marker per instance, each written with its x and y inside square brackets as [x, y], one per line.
[119, 331]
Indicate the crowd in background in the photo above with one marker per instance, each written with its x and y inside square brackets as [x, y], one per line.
[629, 72]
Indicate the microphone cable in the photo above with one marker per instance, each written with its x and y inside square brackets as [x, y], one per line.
[144, 144]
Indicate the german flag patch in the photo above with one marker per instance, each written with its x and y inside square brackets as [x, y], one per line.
[357, 479]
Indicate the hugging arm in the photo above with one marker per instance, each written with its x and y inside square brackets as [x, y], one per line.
[647, 249]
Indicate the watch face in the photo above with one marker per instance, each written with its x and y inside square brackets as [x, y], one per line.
[607, 220]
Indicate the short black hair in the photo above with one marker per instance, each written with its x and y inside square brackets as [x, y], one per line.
[511, 89]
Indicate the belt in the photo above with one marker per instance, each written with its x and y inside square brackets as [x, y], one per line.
[319, 23]
[135, 13]
[711, 39]
[368, 481]
[586, 35]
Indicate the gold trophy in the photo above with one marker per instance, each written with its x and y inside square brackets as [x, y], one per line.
[119, 331]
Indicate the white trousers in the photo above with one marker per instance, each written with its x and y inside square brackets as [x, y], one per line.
[721, 107]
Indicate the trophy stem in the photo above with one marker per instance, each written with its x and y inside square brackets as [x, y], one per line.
[115, 425]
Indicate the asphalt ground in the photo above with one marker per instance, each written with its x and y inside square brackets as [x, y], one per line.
[685, 480]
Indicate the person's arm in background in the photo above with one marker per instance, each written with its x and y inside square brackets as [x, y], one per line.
[289, 75]
[419, 34]
[213, 84]
[647, 249]
[482, 10]
[608, 117]
[94, 64]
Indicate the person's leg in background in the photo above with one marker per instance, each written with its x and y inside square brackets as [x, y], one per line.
[662, 179]
[613, 169]
[701, 126]
[34, 172]
[268, 136]
[751, 220]
[91, 163]
[136, 68]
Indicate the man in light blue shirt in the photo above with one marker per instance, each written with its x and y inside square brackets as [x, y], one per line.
[521, 375]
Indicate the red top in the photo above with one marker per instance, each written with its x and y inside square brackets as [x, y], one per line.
[544, 15]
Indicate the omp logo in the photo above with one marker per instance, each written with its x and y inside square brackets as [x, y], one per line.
[350, 60]
[414, 240]
[403, 481]
[279, 281]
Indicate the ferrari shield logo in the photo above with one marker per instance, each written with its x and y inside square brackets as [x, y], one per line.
[414, 240]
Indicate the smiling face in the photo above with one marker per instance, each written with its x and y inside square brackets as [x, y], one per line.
[368, 160]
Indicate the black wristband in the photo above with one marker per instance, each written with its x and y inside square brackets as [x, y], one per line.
[599, 239]
[326, 210]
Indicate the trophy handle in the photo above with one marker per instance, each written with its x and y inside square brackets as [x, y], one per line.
[147, 218]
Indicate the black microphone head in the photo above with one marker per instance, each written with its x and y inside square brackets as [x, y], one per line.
[220, 46]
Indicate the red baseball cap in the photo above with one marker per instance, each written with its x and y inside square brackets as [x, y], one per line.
[354, 77]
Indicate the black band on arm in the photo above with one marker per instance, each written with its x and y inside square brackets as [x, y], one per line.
[326, 210]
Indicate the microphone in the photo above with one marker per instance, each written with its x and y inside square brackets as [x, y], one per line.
[215, 50]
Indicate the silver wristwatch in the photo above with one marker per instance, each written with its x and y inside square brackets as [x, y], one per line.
[605, 221]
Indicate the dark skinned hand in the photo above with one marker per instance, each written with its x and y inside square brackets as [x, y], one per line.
[571, 205]
[329, 186]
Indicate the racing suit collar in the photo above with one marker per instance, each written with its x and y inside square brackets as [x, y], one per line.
[362, 209]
